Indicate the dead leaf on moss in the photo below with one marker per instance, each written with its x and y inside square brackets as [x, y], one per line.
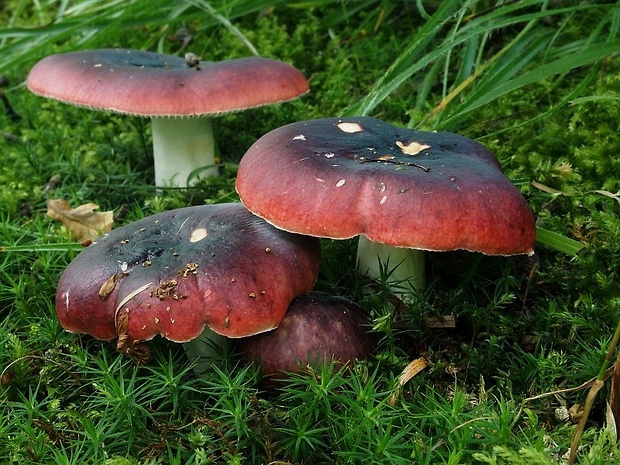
[82, 222]
[412, 369]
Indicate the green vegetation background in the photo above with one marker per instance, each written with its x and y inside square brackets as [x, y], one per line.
[538, 82]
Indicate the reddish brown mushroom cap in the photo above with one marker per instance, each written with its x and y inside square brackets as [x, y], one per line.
[318, 327]
[175, 272]
[343, 177]
[152, 84]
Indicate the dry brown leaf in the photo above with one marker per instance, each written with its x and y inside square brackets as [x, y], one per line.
[110, 283]
[136, 350]
[82, 222]
[412, 369]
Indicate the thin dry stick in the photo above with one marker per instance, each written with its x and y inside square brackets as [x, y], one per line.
[613, 403]
[594, 389]
[581, 387]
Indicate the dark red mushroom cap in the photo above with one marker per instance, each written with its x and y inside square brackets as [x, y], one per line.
[342, 177]
[317, 328]
[175, 272]
[153, 84]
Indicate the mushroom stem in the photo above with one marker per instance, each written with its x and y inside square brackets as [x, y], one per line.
[206, 350]
[404, 266]
[181, 146]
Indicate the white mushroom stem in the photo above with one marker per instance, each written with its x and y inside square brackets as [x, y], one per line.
[405, 267]
[206, 350]
[181, 146]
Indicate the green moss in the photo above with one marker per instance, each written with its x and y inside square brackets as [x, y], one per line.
[520, 331]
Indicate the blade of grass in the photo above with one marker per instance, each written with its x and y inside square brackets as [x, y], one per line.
[42, 248]
[206, 6]
[491, 81]
[557, 241]
[568, 99]
[522, 48]
[402, 67]
[562, 65]
[593, 98]
[415, 58]
[92, 23]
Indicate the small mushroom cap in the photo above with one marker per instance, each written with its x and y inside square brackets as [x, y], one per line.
[153, 84]
[175, 272]
[318, 327]
[343, 177]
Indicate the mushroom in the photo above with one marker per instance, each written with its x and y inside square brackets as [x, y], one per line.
[177, 273]
[178, 94]
[318, 328]
[402, 191]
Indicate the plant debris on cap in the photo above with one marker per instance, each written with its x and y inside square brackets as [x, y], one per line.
[175, 272]
[342, 177]
[153, 84]
[317, 328]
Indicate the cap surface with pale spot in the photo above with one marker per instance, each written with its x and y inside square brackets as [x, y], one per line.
[343, 177]
[175, 272]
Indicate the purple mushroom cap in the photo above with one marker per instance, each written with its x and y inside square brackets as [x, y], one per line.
[173, 273]
[344, 177]
[146, 83]
[317, 328]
